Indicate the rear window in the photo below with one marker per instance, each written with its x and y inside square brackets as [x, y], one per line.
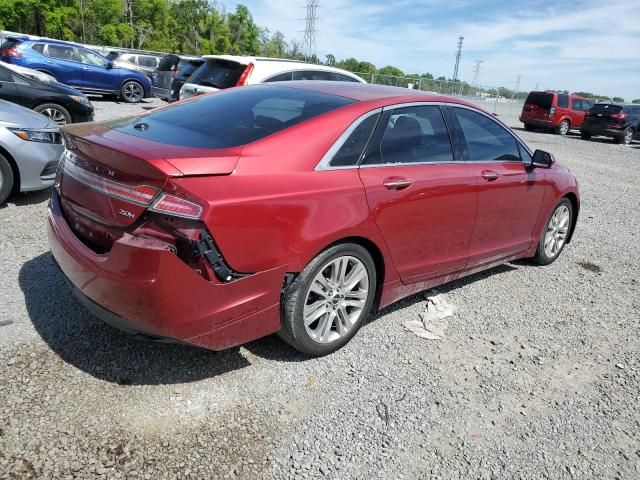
[168, 63]
[187, 67]
[146, 61]
[563, 100]
[606, 108]
[232, 118]
[218, 74]
[10, 43]
[540, 99]
[38, 47]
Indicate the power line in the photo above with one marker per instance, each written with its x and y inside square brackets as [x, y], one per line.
[458, 55]
[310, 30]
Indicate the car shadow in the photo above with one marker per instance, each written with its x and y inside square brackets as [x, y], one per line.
[20, 199]
[82, 340]
[110, 99]
[100, 350]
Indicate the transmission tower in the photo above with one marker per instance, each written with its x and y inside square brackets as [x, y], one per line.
[476, 74]
[458, 55]
[310, 30]
[515, 91]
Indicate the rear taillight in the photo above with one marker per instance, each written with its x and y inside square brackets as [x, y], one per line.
[619, 116]
[552, 112]
[176, 206]
[245, 75]
[587, 113]
[137, 194]
[11, 52]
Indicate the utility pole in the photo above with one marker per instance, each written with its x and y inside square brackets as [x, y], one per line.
[310, 30]
[515, 92]
[476, 74]
[458, 55]
[128, 12]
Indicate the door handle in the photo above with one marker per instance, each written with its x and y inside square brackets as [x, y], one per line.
[396, 183]
[490, 175]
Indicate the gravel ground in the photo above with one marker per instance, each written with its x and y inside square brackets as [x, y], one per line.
[537, 377]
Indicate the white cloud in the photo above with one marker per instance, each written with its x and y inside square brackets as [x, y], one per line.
[552, 46]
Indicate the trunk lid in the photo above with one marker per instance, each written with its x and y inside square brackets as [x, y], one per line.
[603, 113]
[106, 185]
[537, 105]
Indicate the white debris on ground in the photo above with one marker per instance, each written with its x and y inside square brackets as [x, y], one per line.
[433, 322]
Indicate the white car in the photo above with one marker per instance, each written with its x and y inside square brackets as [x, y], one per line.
[224, 71]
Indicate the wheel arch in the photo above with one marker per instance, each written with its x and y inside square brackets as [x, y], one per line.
[14, 169]
[575, 209]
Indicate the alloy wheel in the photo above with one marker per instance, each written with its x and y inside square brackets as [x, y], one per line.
[557, 231]
[564, 128]
[55, 115]
[628, 136]
[132, 92]
[336, 299]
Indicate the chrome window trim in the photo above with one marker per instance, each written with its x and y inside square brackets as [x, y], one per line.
[325, 161]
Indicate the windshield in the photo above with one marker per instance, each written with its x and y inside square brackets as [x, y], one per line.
[232, 118]
[218, 74]
[540, 99]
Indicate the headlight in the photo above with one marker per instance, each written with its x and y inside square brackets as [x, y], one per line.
[42, 136]
[81, 99]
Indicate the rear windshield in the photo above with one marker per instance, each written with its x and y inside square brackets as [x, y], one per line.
[10, 43]
[218, 74]
[168, 63]
[112, 56]
[232, 118]
[187, 67]
[606, 108]
[540, 99]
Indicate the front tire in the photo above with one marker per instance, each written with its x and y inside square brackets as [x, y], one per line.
[328, 302]
[555, 233]
[132, 91]
[55, 112]
[563, 128]
[6, 179]
[528, 127]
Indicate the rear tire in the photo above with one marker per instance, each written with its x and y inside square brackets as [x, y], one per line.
[321, 309]
[626, 137]
[55, 112]
[6, 179]
[563, 128]
[554, 235]
[585, 136]
[528, 127]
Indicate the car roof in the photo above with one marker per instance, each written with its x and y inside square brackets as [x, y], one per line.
[364, 92]
[286, 63]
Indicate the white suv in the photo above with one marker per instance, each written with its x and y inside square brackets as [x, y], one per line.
[224, 71]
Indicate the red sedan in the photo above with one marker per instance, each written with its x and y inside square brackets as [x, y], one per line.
[295, 208]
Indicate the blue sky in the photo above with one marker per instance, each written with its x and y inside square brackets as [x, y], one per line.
[585, 45]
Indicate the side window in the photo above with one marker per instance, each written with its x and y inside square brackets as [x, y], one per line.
[311, 75]
[62, 52]
[352, 148]
[524, 155]
[5, 76]
[563, 100]
[342, 78]
[586, 105]
[90, 58]
[486, 139]
[146, 61]
[38, 47]
[412, 135]
[576, 105]
[281, 77]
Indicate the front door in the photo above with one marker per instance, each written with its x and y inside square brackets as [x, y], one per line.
[8, 90]
[95, 72]
[62, 63]
[423, 201]
[510, 192]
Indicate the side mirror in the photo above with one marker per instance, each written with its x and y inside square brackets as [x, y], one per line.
[109, 65]
[542, 159]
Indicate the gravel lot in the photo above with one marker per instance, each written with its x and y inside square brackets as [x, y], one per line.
[537, 377]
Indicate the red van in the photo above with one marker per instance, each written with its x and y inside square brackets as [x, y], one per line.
[559, 111]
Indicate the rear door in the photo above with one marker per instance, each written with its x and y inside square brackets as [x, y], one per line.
[510, 193]
[423, 200]
[64, 64]
[8, 89]
[578, 107]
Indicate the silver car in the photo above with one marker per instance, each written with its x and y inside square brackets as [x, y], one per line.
[30, 148]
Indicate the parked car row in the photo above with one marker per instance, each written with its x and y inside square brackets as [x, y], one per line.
[563, 112]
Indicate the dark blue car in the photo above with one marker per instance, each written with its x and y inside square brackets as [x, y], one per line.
[76, 66]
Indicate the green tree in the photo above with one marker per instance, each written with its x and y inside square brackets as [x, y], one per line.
[245, 34]
[618, 99]
[637, 100]
[330, 60]
[391, 71]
